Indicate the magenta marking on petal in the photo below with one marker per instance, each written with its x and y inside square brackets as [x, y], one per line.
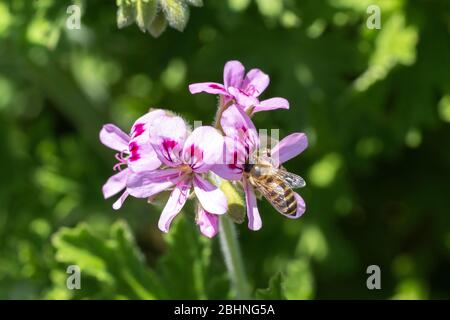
[138, 130]
[251, 90]
[168, 145]
[195, 156]
[135, 157]
[243, 92]
[234, 167]
[134, 148]
[215, 86]
[247, 150]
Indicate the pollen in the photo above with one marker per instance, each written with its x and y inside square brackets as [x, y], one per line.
[185, 168]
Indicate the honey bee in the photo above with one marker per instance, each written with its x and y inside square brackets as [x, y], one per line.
[274, 183]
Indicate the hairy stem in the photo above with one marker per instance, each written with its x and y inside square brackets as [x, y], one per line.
[223, 105]
[227, 233]
[233, 258]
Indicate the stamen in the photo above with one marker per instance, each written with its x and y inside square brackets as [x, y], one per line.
[122, 158]
[185, 168]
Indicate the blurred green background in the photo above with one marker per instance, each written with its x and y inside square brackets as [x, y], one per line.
[374, 103]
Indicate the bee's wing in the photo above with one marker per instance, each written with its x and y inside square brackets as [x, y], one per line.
[292, 180]
[273, 192]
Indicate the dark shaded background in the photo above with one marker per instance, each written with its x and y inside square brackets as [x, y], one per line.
[374, 103]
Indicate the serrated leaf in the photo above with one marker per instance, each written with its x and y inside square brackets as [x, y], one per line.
[125, 14]
[296, 282]
[195, 3]
[145, 14]
[184, 266]
[159, 24]
[395, 45]
[115, 262]
[146, 11]
[274, 291]
[176, 12]
[78, 246]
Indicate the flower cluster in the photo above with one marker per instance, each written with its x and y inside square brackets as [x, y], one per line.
[162, 154]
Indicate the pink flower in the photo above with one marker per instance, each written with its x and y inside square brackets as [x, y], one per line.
[240, 130]
[135, 153]
[207, 222]
[186, 159]
[245, 90]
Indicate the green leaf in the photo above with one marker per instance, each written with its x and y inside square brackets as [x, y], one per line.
[125, 14]
[114, 266]
[274, 291]
[184, 267]
[154, 15]
[294, 283]
[195, 3]
[115, 263]
[177, 13]
[79, 246]
[158, 25]
[395, 45]
[145, 13]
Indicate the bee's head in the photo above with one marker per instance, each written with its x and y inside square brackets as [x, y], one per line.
[248, 167]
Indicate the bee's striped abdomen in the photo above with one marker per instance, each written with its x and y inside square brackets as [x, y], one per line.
[279, 194]
[291, 202]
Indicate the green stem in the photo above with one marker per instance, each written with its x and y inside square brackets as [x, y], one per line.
[233, 258]
[227, 233]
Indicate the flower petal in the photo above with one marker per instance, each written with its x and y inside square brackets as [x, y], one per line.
[301, 207]
[271, 104]
[118, 204]
[237, 124]
[143, 156]
[115, 184]
[210, 197]
[289, 147]
[255, 82]
[174, 205]
[242, 99]
[208, 223]
[233, 74]
[114, 138]
[233, 159]
[235, 152]
[227, 171]
[147, 184]
[167, 138]
[203, 148]
[254, 219]
[208, 87]
[142, 125]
